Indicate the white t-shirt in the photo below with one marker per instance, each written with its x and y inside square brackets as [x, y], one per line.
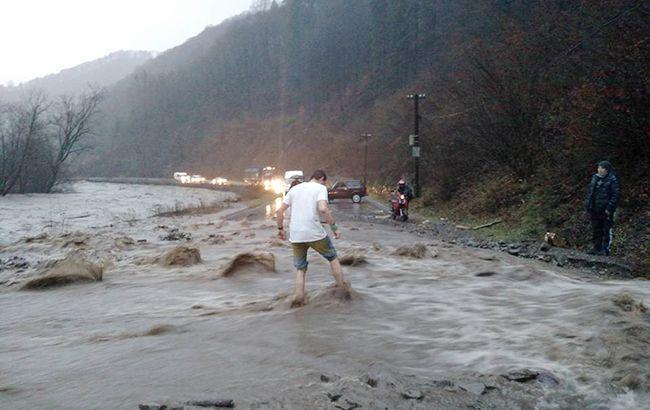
[305, 223]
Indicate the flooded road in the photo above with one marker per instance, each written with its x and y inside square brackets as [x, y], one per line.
[148, 332]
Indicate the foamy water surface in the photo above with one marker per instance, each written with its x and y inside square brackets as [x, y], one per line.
[148, 332]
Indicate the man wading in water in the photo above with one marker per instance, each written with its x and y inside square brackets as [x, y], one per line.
[308, 201]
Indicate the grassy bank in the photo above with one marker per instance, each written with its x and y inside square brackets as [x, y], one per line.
[528, 209]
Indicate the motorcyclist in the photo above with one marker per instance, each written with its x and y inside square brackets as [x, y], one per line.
[404, 189]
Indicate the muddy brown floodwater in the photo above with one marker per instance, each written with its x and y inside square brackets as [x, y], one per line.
[458, 327]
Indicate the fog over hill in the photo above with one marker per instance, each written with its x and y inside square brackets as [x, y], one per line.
[102, 72]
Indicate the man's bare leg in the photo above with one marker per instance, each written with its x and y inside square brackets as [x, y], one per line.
[337, 272]
[342, 288]
[299, 293]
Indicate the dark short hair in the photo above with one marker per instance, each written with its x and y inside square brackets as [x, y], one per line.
[605, 164]
[319, 174]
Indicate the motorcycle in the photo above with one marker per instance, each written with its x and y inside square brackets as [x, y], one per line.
[400, 207]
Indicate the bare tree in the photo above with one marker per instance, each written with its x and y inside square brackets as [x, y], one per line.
[20, 126]
[37, 137]
[72, 123]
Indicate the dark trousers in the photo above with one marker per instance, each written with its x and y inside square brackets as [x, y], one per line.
[602, 233]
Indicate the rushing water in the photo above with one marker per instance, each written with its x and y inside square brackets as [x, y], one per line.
[147, 332]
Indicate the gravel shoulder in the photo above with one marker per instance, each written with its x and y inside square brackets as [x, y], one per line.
[589, 266]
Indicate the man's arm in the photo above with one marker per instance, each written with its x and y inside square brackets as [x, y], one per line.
[326, 213]
[279, 216]
[616, 195]
[324, 210]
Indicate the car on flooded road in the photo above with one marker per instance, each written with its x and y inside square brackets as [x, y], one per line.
[353, 189]
[182, 177]
[197, 179]
[252, 176]
[219, 181]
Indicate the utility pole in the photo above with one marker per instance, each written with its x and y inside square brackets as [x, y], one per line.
[365, 137]
[414, 140]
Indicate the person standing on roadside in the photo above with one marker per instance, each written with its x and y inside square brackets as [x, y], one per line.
[603, 195]
[307, 203]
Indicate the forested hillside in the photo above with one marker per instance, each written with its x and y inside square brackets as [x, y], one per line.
[523, 97]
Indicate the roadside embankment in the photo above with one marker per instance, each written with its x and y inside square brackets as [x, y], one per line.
[490, 234]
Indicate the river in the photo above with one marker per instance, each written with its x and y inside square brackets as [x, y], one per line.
[151, 333]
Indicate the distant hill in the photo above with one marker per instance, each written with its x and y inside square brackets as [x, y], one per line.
[295, 85]
[103, 72]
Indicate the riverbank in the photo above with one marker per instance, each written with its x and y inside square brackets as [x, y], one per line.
[518, 237]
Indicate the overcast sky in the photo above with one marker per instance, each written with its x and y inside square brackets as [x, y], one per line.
[40, 37]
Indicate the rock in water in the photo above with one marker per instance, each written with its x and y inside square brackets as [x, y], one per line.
[473, 387]
[333, 295]
[219, 403]
[485, 274]
[181, 256]
[628, 304]
[413, 394]
[76, 239]
[175, 234]
[152, 406]
[14, 262]
[328, 378]
[157, 406]
[37, 238]
[123, 242]
[72, 269]
[265, 260]
[353, 259]
[513, 250]
[528, 375]
[417, 251]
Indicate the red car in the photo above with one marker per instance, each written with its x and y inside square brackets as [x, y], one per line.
[348, 189]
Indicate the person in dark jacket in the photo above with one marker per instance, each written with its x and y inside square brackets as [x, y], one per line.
[603, 195]
[404, 189]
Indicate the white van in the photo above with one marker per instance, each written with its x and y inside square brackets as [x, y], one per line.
[182, 177]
